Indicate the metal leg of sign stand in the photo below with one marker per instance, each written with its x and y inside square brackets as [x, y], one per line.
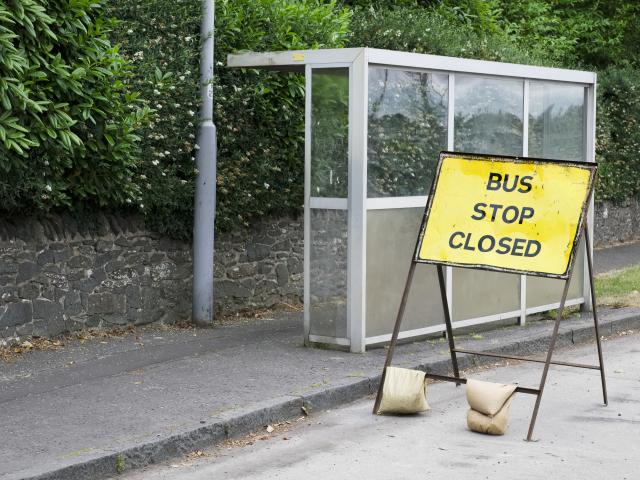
[394, 335]
[453, 350]
[594, 308]
[555, 335]
[447, 321]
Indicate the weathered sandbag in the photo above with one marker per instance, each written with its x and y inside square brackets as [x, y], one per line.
[493, 425]
[404, 391]
[488, 397]
[490, 404]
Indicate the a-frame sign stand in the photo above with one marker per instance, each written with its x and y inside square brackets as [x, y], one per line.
[583, 232]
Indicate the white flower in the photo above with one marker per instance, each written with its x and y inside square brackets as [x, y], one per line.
[266, 185]
[130, 31]
[155, 162]
[187, 39]
[46, 163]
[181, 77]
[142, 205]
[156, 91]
[128, 200]
[48, 188]
[191, 113]
[167, 152]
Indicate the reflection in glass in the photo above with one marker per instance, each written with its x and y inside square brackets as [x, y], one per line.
[556, 121]
[407, 130]
[488, 119]
[488, 115]
[329, 132]
[328, 273]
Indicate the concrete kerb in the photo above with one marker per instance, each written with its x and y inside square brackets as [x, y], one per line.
[236, 423]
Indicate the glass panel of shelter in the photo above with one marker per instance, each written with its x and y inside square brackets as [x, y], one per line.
[407, 123]
[557, 124]
[328, 235]
[488, 118]
[407, 129]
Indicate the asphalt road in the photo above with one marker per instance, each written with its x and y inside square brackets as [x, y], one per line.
[616, 257]
[576, 436]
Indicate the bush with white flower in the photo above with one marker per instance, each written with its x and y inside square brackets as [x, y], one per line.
[259, 115]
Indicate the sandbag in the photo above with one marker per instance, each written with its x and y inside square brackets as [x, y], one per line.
[488, 397]
[492, 425]
[490, 404]
[404, 391]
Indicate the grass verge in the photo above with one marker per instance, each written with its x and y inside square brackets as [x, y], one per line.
[619, 288]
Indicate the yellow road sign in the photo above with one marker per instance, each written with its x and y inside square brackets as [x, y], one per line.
[509, 214]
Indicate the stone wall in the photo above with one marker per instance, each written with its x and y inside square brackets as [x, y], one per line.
[616, 223]
[59, 275]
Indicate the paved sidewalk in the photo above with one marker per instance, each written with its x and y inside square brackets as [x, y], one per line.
[80, 411]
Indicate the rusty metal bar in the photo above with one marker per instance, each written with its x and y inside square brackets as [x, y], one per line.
[459, 380]
[595, 312]
[547, 363]
[527, 359]
[396, 331]
[447, 321]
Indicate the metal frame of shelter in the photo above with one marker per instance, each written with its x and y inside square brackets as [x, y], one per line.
[582, 231]
[358, 205]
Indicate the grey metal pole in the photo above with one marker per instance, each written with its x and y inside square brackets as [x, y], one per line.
[205, 195]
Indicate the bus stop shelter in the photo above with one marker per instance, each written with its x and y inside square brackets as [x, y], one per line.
[375, 122]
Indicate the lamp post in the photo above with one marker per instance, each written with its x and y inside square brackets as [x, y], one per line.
[205, 194]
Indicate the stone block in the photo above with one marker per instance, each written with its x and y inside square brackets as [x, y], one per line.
[265, 268]
[114, 265]
[80, 261]
[266, 287]
[227, 288]
[257, 252]
[282, 274]
[104, 245]
[45, 309]
[134, 296]
[8, 294]
[62, 255]
[29, 291]
[241, 271]
[26, 271]
[45, 257]
[294, 265]
[283, 246]
[163, 270]
[16, 313]
[107, 303]
[8, 266]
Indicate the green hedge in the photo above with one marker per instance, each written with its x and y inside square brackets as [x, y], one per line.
[74, 132]
[259, 115]
[67, 124]
[618, 134]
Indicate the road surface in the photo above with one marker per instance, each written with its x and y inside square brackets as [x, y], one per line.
[576, 436]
